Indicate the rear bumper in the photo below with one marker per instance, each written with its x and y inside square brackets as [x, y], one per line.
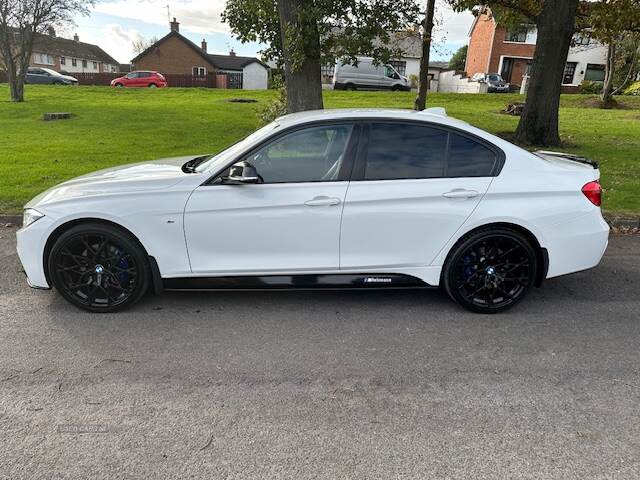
[577, 245]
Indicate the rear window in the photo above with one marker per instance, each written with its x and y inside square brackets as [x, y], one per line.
[468, 158]
[400, 151]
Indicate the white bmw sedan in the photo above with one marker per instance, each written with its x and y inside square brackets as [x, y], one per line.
[325, 199]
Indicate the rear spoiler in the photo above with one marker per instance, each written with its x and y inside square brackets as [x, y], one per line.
[568, 156]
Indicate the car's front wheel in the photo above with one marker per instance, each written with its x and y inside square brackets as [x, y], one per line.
[99, 268]
[490, 270]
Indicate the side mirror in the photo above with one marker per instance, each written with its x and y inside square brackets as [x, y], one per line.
[243, 172]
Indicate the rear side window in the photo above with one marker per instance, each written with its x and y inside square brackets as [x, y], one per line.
[401, 151]
[468, 158]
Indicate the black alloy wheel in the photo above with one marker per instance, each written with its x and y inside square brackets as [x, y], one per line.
[99, 268]
[490, 270]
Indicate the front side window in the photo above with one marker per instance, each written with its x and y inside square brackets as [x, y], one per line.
[468, 158]
[400, 66]
[313, 154]
[400, 151]
[132, 75]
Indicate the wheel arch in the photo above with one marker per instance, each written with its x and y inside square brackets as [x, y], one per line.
[156, 279]
[542, 256]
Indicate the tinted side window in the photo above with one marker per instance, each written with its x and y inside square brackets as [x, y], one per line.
[468, 158]
[312, 154]
[398, 151]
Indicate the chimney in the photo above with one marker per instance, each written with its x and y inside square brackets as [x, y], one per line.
[232, 53]
[175, 25]
[204, 45]
[76, 37]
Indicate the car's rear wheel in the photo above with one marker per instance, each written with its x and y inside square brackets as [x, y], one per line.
[153, 85]
[490, 270]
[350, 86]
[99, 268]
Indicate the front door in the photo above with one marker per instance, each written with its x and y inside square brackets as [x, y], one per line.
[287, 223]
[507, 69]
[410, 193]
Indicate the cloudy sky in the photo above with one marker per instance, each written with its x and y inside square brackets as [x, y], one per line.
[115, 24]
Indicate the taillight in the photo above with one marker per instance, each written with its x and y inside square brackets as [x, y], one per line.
[593, 192]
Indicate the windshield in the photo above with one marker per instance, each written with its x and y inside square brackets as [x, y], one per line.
[223, 157]
[495, 78]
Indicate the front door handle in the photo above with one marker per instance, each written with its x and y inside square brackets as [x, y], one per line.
[322, 201]
[461, 193]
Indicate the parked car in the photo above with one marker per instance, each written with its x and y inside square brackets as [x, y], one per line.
[367, 75]
[37, 75]
[324, 199]
[494, 81]
[142, 78]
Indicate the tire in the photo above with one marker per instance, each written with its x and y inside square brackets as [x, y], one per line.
[99, 268]
[153, 85]
[119, 85]
[350, 86]
[396, 88]
[490, 270]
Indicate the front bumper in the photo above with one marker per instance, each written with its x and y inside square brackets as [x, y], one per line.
[31, 242]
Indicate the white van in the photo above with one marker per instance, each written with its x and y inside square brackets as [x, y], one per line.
[368, 76]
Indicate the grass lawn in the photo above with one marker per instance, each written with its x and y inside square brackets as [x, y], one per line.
[112, 127]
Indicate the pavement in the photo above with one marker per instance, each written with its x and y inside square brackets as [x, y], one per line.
[327, 385]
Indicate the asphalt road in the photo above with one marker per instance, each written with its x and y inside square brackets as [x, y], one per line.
[325, 385]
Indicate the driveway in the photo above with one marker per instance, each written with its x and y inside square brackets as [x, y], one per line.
[398, 384]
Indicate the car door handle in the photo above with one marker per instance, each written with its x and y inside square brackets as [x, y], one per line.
[460, 193]
[322, 201]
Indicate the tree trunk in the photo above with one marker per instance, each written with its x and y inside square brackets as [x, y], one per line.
[539, 121]
[423, 85]
[607, 87]
[301, 51]
[16, 83]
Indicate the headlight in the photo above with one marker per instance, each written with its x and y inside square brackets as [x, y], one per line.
[30, 215]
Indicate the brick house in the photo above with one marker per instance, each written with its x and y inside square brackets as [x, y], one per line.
[509, 51]
[70, 56]
[176, 54]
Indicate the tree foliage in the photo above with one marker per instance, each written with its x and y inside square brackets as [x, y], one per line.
[20, 21]
[458, 60]
[347, 28]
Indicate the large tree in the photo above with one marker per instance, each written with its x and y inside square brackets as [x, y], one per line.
[20, 22]
[556, 23]
[302, 35]
[458, 59]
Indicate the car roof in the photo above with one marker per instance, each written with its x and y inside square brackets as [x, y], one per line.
[433, 115]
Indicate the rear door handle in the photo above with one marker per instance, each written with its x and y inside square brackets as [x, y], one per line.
[322, 201]
[460, 193]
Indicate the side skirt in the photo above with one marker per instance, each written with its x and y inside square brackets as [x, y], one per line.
[296, 282]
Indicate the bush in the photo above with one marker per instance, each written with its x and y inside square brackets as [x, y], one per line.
[633, 89]
[277, 107]
[590, 87]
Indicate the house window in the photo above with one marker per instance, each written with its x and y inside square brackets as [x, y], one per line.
[199, 72]
[327, 70]
[517, 34]
[581, 39]
[95, 65]
[594, 73]
[569, 72]
[63, 61]
[43, 59]
[74, 62]
[84, 64]
[399, 65]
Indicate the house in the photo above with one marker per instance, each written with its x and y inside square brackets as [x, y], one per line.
[176, 54]
[70, 56]
[509, 51]
[407, 64]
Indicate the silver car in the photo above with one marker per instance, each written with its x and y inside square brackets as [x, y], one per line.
[46, 76]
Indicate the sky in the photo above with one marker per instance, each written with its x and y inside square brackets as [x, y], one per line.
[115, 24]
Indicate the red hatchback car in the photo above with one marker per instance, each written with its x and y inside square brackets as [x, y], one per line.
[140, 79]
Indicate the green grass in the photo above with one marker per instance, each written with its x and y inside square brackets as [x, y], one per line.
[112, 127]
